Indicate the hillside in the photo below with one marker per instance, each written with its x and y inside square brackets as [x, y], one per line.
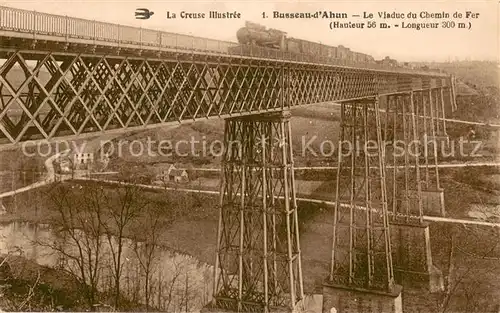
[477, 90]
[481, 74]
[199, 144]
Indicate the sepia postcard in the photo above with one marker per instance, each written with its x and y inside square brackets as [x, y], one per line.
[250, 156]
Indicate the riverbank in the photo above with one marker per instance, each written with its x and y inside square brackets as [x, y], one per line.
[187, 223]
[166, 275]
[28, 286]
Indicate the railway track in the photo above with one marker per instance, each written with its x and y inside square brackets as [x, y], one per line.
[452, 120]
[308, 200]
[301, 199]
[301, 168]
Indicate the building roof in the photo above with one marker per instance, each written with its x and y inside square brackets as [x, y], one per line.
[177, 172]
[164, 165]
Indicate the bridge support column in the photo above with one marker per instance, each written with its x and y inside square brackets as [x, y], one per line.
[361, 276]
[432, 202]
[433, 194]
[351, 300]
[412, 257]
[453, 97]
[258, 265]
[437, 116]
[3, 210]
[409, 233]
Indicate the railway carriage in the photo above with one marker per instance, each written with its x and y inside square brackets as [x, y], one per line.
[254, 39]
[256, 35]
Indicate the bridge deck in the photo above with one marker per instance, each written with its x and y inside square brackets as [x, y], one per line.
[52, 88]
[42, 27]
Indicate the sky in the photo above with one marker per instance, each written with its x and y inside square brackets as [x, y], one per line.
[480, 42]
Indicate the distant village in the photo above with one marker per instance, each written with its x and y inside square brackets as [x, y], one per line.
[86, 163]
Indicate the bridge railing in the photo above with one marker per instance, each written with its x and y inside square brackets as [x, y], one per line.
[67, 28]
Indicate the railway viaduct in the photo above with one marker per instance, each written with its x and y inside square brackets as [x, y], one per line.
[106, 78]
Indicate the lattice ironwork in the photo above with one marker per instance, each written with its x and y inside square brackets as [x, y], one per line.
[453, 94]
[445, 95]
[63, 94]
[258, 266]
[361, 252]
[404, 150]
[426, 108]
[406, 145]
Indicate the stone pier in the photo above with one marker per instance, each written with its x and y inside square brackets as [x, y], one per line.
[340, 299]
[432, 202]
[412, 257]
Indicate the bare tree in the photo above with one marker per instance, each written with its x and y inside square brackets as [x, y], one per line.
[123, 207]
[94, 227]
[470, 261]
[146, 252]
[168, 289]
[187, 295]
[78, 225]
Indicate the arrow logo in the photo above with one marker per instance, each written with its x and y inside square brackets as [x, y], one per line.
[143, 14]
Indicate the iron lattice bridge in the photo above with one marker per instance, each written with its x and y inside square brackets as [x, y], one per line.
[63, 78]
[72, 94]
[54, 86]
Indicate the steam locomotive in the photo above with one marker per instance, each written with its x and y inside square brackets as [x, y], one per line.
[255, 35]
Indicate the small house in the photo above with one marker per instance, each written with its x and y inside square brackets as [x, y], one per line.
[170, 173]
[178, 176]
[83, 158]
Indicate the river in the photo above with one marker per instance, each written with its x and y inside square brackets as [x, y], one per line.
[174, 277]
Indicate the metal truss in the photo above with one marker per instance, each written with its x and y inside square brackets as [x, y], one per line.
[361, 251]
[429, 105]
[258, 266]
[70, 93]
[441, 97]
[406, 132]
[404, 151]
[414, 121]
